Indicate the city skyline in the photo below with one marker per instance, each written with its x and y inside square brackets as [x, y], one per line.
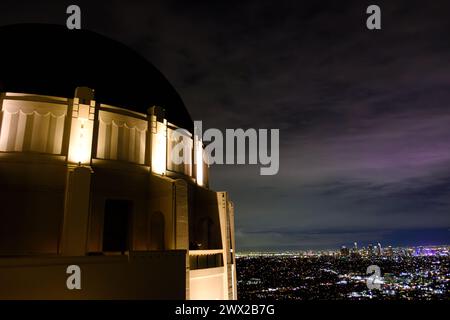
[362, 247]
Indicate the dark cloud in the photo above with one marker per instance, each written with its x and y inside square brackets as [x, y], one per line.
[363, 116]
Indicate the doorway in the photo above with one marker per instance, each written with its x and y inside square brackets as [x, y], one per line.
[117, 225]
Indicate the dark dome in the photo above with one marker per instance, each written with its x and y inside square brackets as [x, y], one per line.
[52, 60]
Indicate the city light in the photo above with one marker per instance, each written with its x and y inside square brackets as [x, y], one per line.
[411, 273]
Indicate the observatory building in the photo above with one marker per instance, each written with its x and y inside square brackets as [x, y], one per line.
[87, 180]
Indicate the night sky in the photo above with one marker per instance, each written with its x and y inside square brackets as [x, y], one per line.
[364, 116]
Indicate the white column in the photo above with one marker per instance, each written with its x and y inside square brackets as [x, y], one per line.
[158, 137]
[82, 127]
[76, 211]
[78, 181]
[198, 158]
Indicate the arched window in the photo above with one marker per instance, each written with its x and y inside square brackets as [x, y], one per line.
[156, 231]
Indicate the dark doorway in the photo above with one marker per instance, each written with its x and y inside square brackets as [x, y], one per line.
[116, 225]
[206, 227]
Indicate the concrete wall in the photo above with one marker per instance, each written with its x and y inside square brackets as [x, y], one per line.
[119, 181]
[31, 205]
[208, 284]
[155, 275]
[205, 211]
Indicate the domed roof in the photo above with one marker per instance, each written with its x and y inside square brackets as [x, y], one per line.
[52, 60]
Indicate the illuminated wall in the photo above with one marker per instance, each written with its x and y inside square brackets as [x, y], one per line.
[30, 123]
[81, 132]
[208, 284]
[31, 126]
[121, 137]
[159, 145]
[198, 149]
[179, 146]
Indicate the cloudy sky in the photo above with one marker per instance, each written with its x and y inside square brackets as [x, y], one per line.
[364, 116]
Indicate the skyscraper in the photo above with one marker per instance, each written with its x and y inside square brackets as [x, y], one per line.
[379, 250]
[370, 250]
[344, 251]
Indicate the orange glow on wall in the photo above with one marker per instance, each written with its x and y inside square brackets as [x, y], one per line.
[81, 131]
[159, 147]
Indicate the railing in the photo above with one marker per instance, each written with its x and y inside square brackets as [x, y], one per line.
[202, 259]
